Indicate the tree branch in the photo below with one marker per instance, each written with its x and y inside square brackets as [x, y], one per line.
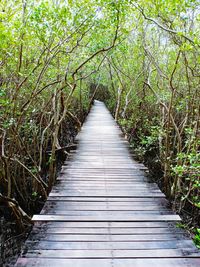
[160, 25]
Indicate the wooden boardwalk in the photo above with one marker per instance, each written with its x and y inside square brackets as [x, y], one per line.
[104, 212]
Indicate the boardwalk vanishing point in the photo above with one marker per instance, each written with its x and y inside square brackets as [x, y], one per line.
[103, 211]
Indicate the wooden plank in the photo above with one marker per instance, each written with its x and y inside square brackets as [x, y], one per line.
[109, 198]
[105, 213]
[102, 237]
[86, 209]
[106, 194]
[75, 203]
[109, 254]
[101, 207]
[110, 225]
[175, 262]
[104, 186]
[102, 179]
[137, 218]
[109, 190]
[100, 204]
[108, 182]
[56, 197]
[129, 185]
[145, 245]
[102, 194]
[108, 230]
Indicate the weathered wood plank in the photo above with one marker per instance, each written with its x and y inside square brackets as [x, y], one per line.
[108, 230]
[121, 245]
[110, 225]
[145, 199]
[101, 207]
[104, 213]
[42, 262]
[108, 194]
[103, 254]
[103, 237]
[135, 218]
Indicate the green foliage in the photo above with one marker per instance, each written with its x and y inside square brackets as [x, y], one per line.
[181, 225]
[197, 238]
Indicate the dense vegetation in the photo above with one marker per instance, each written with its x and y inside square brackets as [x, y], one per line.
[140, 57]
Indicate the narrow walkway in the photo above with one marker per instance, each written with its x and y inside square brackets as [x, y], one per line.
[104, 212]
